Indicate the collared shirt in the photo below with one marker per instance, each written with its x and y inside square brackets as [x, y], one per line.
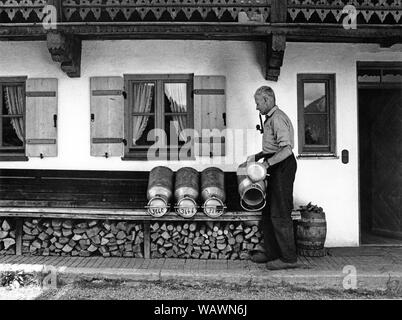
[278, 131]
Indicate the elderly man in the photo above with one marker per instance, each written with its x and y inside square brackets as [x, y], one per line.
[277, 145]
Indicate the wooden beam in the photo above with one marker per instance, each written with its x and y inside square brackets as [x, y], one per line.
[66, 49]
[295, 32]
[276, 45]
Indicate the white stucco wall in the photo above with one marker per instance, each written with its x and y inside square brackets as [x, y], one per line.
[328, 183]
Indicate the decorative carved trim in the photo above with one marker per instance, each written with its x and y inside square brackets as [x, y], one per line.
[67, 50]
[275, 51]
[367, 11]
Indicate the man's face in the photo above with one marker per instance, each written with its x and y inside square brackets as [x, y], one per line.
[263, 104]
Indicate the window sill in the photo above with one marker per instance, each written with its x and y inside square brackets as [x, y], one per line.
[13, 158]
[317, 156]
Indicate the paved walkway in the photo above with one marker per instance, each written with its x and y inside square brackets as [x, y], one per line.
[375, 268]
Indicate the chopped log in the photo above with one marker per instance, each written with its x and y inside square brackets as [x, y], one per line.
[92, 248]
[92, 232]
[92, 223]
[192, 227]
[165, 235]
[239, 238]
[106, 225]
[155, 226]
[104, 241]
[8, 242]
[121, 235]
[78, 231]
[56, 223]
[96, 239]
[77, 237]
[3, 234]
[254, 240]
[67, 224]
[121, 226]
[5, 226]
[67, 232]
[57, 233]
[67, 248]
[63, 240]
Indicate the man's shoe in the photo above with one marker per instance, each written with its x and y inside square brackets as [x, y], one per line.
[259, 257]
[279, 265]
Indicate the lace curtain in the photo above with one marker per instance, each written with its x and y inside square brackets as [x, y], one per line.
[14, 99]
[177, 95]
[142, 103]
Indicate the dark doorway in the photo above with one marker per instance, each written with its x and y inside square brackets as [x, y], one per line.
[380, 156]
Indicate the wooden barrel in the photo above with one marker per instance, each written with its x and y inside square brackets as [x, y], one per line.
[311, 233]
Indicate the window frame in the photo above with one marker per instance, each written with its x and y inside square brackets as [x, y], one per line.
[140, 152]
[13, 153]
[329, 79]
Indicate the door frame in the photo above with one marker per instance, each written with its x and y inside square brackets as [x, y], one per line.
[371, 85]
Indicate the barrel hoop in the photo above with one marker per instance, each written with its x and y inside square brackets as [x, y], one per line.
[312, 224]
[313, 220]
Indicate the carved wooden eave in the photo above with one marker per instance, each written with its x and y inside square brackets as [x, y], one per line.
[66, 49]
[276, 46]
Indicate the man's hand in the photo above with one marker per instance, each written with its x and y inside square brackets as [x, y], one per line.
[266, 164]
[251, 158]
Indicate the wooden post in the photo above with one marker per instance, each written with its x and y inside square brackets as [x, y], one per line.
[147, 240]
[18, 236]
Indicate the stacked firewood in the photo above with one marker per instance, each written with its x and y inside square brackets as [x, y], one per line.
[7, 236]
[82, 238]
[204, 240]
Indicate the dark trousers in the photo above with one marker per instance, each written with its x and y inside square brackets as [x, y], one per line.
[277, 224]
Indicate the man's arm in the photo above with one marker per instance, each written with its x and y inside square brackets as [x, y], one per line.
[279, 156]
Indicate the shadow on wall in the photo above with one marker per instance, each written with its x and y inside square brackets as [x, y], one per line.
[259, 51]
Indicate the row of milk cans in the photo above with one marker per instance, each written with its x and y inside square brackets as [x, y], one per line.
[185, 187]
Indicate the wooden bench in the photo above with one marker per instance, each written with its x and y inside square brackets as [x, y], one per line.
[103, 195]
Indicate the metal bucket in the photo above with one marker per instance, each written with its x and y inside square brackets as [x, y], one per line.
[213, 191]
[252, 194]
[159, 191]
[186, 191]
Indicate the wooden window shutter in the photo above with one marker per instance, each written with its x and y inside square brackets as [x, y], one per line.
[41, 117]
[107, 116]
[210, 113]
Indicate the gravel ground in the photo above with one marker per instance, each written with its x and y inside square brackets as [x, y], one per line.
[119, 290]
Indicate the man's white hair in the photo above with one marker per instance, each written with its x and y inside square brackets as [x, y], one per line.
[265, 91]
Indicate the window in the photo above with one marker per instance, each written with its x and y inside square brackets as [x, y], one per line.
[12, 122]
[157, 110]
[316, 114]
[376, 74]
